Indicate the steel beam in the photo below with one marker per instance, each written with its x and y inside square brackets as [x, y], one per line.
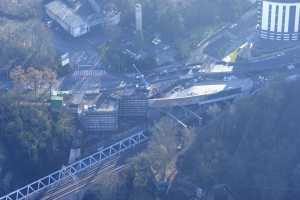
[77, 167]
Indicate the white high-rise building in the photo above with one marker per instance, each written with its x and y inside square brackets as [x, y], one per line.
[279, 19]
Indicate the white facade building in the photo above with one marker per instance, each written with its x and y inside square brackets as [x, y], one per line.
[279, 19]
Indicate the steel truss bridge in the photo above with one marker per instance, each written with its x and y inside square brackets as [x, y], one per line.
[74, 169]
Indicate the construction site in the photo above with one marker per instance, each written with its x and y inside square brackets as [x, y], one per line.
[117, 110]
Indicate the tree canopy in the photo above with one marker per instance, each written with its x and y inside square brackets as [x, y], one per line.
[174, 17]
[24, 38]
[253, 148]
[33, 141]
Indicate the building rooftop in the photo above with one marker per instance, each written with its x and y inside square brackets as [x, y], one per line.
[126, 92]
[57, 98]
[65, 13]
[108, 105]
[82, 14]
[105, 105]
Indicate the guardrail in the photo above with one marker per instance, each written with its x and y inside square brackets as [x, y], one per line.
[77, 167]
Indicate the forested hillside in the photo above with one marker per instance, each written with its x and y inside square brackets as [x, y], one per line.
[176, 17]
[24, 38]
[252, 148]
[33, 141]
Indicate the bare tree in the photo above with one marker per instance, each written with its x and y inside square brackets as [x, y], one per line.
[158, 162]
[40, 81]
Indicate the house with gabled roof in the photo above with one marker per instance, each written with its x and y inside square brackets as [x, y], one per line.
[78, 17]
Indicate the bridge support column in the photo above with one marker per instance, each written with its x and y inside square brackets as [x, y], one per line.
[75, 154]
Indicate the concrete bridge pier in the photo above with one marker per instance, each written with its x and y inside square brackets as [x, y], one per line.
[75, 154]
[75, 151]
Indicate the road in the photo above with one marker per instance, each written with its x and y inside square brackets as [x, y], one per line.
[272, 61]
[227, 38]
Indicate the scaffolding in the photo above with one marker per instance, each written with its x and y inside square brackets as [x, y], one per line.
[133, 107]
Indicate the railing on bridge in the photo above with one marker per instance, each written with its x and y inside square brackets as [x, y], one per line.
[77, 167]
